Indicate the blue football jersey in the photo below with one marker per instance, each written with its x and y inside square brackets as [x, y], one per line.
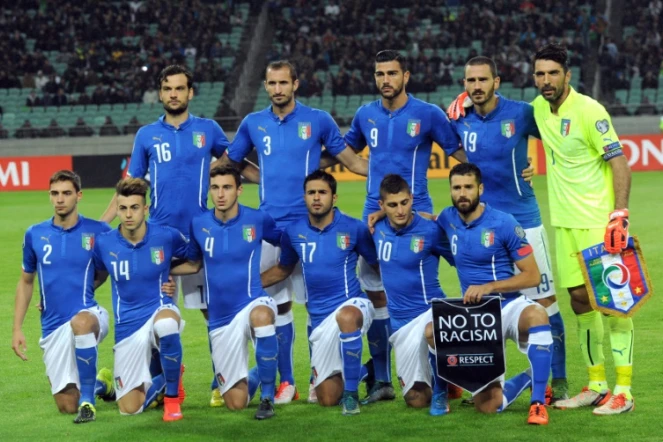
[62, 259]
[486, 249]
[400, 143]
[137, 273]
[288, 150]
[231, 256]
[178, 161]
[497, 143]
[409, 260]
[329, 260]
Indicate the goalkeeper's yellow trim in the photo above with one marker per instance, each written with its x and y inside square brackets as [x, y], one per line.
[570, 242]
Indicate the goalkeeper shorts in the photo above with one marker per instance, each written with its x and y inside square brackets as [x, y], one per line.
[569, 243]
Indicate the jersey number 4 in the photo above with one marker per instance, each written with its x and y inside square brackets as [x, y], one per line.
[120, 268]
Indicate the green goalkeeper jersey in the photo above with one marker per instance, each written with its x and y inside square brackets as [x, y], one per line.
[578, 142]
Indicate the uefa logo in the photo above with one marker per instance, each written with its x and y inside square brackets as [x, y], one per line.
[452, 360]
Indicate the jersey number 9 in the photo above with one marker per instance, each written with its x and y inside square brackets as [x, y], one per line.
[374, 137]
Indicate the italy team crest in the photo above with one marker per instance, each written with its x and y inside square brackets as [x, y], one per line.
[87, 241]
[488, 237]
[417, 244]
[249, 233]
[343, 240]
[157, 255]
[199, 139]
[508, 128]
[304, 131]
[566, 127]
[413, 127]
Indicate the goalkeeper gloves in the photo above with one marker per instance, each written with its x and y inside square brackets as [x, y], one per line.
[616, 234]
[457, 108]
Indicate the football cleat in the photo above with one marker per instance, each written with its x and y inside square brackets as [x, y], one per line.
[86, 413]
[560, 390]
[285, 394]
[585, 398]
[350, 403]
[538, 415]
[454, 392]
[439, 404]
[265, 410]
[158, 401]
[312, 395]
[381, 391]
[171, 409]
[105, 377]
[617, 404]
[216, 401]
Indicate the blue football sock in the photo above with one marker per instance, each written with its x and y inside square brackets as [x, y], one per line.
[514, 387]
[155, 363]
[378, 344]
[539, 353]
[171, 361]
[267, 351]
[285, 330]
[439, 384]
[254, 382]
[351, 347]
[158, 384]
[100, 388]
[558, 364]
[86, 361]
[363, 372]
[309, 330]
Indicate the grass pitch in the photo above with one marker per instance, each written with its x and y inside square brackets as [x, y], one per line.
[31, 413]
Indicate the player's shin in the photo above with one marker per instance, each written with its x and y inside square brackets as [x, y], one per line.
[539, 353]
[378, 344]
[590, 335]
[621, 339]
[558, 365]
[351, 348]
[155, 363]
[170, 348]
[86, 361]
[514, 387]
[267, 351]
[439, 384]
[285, 330]
[157, 387]
[254, 382]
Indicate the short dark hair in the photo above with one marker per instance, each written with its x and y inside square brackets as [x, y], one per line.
[553, 52]
[175, 69]
[480, 61]
[282, 64]
[321, 175]
[466, 169]
[392, 184]
[132, 186]
[225, 171]
[391, 55]
[66, 175]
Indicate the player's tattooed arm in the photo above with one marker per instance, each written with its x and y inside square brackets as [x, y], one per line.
[100, 277]
[23, 297]
[352, 161]
[276, 274]
[185, 267]
[327, 160]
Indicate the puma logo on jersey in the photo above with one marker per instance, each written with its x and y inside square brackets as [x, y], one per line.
[170, 358]
[467, 124]
[354, 355]
[273, 358]
[373, 343]
[46, 238]
[207, 231]
[262, 129]
[559, 337]
[452, 226]
[113, 254]
[300, 236]
[382, 234]
[621, 352]
[157, 139]
[371, 121]
[87, 361]
[543, 348]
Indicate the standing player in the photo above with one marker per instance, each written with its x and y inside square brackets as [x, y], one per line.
[486, 243]
[227, 240]
[589, 181]
[137, 255]
[494, 133]
[288, 138]
[409, 248]
[327, 243]
[60, 250]
[177, 151]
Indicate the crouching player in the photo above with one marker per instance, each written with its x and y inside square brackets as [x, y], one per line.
[60, 250]
[328, 243]
[228, 240]
[408, 248]
[486, 243]
[138, 257]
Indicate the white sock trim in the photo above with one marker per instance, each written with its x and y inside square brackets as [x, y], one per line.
[166, 327]
[381, 313]
[85, 341]
[552, 309]
[264, 331]
[540, 338]
[284, 319]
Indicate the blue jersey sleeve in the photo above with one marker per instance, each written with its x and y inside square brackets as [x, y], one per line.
[270, 232]
[97, 262]
[441, 245]
[242, 143]
[220, 141]
[138, 165]
[528, 115]
[514, 239]
[180, 244]
[29, 256]
[193, 253]
[355, 138]
[288, 254]
[330, 134]
[442, 132]
[365, 244]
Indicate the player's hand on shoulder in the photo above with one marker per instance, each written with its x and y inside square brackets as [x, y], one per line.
[18, 344]
[169, 287]
[457, 107]
[474, 293]
[373, 219]
[528, 172]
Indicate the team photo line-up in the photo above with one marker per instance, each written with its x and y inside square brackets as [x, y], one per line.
[374, 278]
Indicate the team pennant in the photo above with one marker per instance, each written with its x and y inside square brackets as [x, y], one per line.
[618, 284]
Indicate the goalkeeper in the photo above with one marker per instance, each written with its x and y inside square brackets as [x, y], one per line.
[588, 185]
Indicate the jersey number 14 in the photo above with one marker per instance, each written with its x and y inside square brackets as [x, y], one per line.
[120, 268]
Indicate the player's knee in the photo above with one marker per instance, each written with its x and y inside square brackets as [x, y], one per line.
[129, 408]
[328, 400]
[349, 319]
[284, 308]
[236, 402]
[416, 399]
[536, 315]
[486, 407]
[67, 407]
[261, 316]
[166, 327]
[84, 323]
